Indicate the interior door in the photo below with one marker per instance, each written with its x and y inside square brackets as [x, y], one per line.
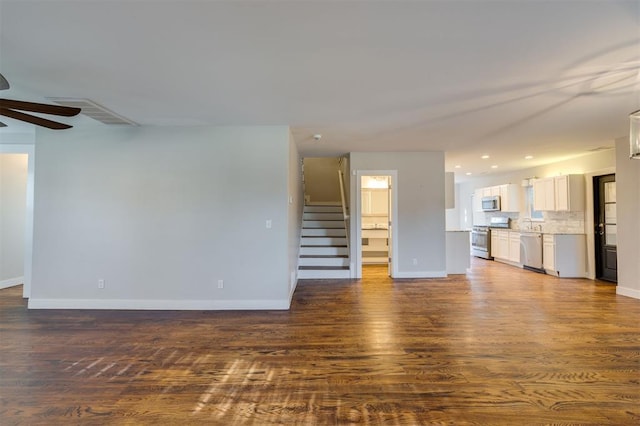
[606, 231]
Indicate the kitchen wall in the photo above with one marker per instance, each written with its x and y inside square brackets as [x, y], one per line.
[628, 205]
[13, 211]
[420, 225]
[553, 221]
[162, 214]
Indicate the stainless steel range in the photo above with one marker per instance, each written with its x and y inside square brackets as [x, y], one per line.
[481, 237]
[481, 242]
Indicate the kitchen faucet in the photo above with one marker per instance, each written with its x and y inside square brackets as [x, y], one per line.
[530, 223]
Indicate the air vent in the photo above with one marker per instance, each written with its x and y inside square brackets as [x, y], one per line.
[95, 111]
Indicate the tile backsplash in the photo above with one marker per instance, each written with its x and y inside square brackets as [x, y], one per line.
[563, 222]
[554, 222]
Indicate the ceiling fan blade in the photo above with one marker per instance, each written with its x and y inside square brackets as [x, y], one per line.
[41, 108]
[33, 120]
[4, 84]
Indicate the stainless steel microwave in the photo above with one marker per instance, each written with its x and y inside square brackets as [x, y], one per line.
[491, 204]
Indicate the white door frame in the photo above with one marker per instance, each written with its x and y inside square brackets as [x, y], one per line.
[28, 231]
[393, 243]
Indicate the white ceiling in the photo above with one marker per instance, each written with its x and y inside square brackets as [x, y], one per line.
[551, 79]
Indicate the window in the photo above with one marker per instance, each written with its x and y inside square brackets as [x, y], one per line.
[533, 214]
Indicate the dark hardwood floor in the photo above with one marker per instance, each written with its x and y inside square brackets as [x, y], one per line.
[499, 346]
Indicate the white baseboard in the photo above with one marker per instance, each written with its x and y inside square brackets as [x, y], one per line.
[11, 282]
[160, 305]
[629, 292]
[421, 274]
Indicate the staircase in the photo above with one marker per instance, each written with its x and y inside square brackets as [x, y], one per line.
[324, 250]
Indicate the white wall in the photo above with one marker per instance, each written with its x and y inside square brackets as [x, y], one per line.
[13, 211]
[296, 205]
[628, 205]
[321, 179]
[162, 214]
[420, 225]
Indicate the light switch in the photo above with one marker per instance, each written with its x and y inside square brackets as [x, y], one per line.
[268, 224]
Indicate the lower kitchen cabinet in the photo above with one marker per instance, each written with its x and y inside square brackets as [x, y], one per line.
[514, 247]
[505, 245]
[564, 255]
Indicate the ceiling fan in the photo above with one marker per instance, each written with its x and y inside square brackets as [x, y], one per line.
[11, 108]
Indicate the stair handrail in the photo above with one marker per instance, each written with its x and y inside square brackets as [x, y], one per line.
[345, 214]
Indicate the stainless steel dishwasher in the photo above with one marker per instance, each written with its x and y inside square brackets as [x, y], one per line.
[531, 251]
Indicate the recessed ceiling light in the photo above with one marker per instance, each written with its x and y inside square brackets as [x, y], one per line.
[468, 173]
[484, 157]
[494, 166]
[528, 157]
[458, 166]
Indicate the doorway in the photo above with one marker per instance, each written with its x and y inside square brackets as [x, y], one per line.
[376, 207]
[27, 233]
[606, 232]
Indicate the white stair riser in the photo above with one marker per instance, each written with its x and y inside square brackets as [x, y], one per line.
[324, 251]
[322, 235]
[332, 209]
[323, 224]
[322, 216]
[324, 261]
[323, 274]
[321, 232]
[324, 241]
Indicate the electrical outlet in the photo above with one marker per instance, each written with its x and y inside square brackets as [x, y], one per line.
[220, 283]
[415, 261]
[100, 283]
[268, 224]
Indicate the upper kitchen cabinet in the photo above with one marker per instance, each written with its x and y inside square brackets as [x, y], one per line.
[375, 202]
[559, 193]
[509, 197]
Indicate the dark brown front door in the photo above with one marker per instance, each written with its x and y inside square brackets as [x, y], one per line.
[606, 230]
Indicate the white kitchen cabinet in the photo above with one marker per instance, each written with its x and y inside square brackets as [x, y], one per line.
[514, 247]
[559, 193]
[495, 249]
[505, 245]
[569, 192]
[544, 194]
[564, 255]
[548, 252]
[375, 202]
[509, 197]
